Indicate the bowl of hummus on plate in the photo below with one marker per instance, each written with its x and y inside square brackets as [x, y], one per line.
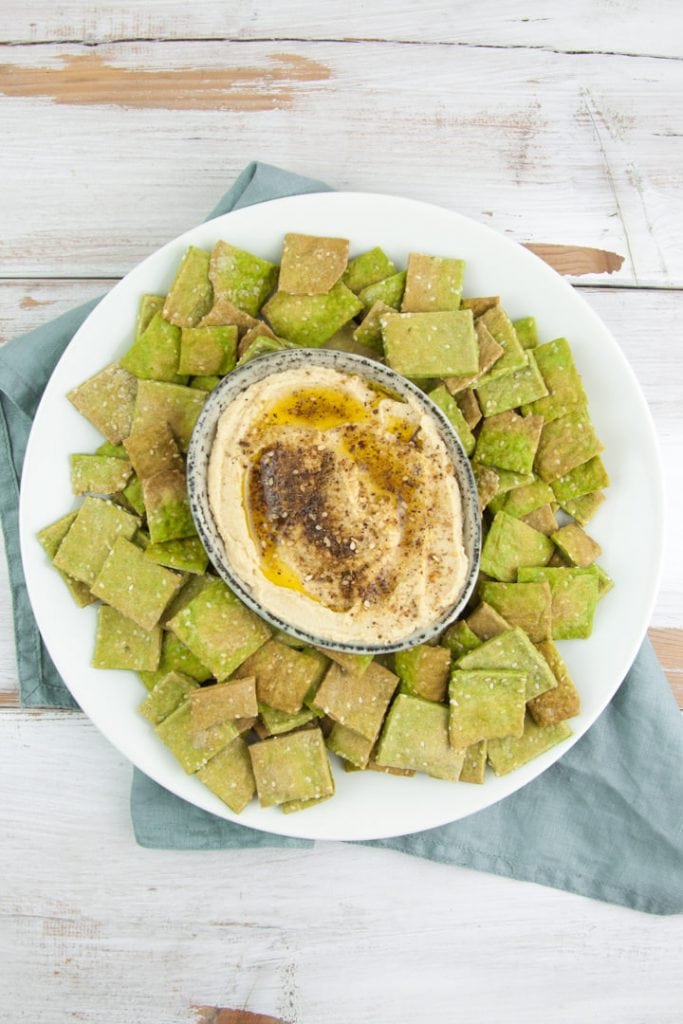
[336, 500]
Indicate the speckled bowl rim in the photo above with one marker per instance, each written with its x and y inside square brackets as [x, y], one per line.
[199, 451]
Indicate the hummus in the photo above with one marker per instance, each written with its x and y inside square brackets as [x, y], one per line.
[338, 506]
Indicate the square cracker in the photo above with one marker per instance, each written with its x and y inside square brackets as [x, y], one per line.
[474, 765]
[357, 701]
[485, 704]
[91, 537]
[561, 703]
[563, 381]
[350, 745]
[311, 264]
[525, 329]
[566, 443]
[415, 736]
[193, 749]
[208, 351]
[190, 296]
[485, 622]
[486, 480]
[509, 441]
[431, 344]
[584, 508]
[575, 594]
[155, 353]
[368, 268]
[219, 630]
[107, 400]
[167, 694]
[389, 291]
[178, 406]
[121, 644]
[222, 702]
[311, 320]
[505, 755]
[241, 278]
[423, 671]
[283, 675]
[433, 283]
[98, 474]
[514, 651]
[584, 479]
[527, 605]
[512, 390]
[291, 767]
[134, 585]
[511, 544]
[576, 546]
[230, 776]
[50, 537]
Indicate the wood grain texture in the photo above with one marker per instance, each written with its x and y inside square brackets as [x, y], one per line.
[573, 150]
[613, 26]
[93, 928]
[577, 260]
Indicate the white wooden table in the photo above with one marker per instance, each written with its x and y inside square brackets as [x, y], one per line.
[121, 125]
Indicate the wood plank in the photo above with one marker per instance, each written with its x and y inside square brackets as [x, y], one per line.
[93, 928]
[586, 25]
[578, 150]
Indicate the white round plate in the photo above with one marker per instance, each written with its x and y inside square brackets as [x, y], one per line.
[629, 526]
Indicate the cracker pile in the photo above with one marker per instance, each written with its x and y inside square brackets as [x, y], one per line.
[253, 713]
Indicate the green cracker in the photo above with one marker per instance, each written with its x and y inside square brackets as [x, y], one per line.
[510, 545]
[133, 496]
[520, 501]
[584, 479]
[161, 470]
[136, 587]
[433, 284]
[107, 400]
[311, 264]
[193, 749]
[259, 330]
[147, 307]
[155, 353]
[350, 745]
[415, 736]
[115, 451]
[223, 702]
[263, 346]
[485, 704]
[368, 268]
[584, 508]
[357, 701]
[353, 663]
[525, 329]
[576, 546]
[423, 671]
[542, 519]
[241, 278]
[605, 582]
[284, 676]
[153, 451]
[498, 323]
[219, 630]
[431, 344]
[566, 443]
[369, 331]
[291, 767]
[175, 657]
[205, 383]
[508, 441]
[485, 622]
[489, 353]
[513, 650]
[574, 599]
[507, 480]
[98, 474]
[278, 722]
[512, 390]
[159, 402]
[459, 639]
[474, 765]
[120, 643]
[487, 481]
[50, 537]
[186, 555]
[207, 351]
[563, 702]
[191, 295]
[168, 693]
[225, 313]
[507, 754]
[565, 389]
[527, 605]
[389, 291]
[311, 320]
[94, 531]
[230, 776]
[449, 407]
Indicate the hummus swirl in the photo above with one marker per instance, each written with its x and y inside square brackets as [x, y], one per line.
[338, 506]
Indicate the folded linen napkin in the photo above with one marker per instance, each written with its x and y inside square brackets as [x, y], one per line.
[606, 821]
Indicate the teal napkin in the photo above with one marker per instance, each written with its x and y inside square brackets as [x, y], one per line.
[606, 821]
